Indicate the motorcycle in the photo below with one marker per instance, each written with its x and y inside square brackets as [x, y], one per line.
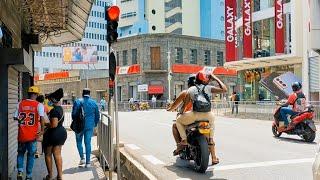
[303, 123]
[197, 149]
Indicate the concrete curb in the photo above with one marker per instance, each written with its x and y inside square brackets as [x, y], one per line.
[132, 169]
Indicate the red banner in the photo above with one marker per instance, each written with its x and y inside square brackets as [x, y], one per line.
[279, 26]
[247, 28]
[230, 30]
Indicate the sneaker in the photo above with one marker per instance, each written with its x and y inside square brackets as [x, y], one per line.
[28, 178]
[88, 165]
[82, 162]
[19, 176]
[36, 155]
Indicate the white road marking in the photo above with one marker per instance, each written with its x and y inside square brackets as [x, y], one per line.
[133, 146]
[152, 159]
[260, 164]
[183, 179]
[163, 124]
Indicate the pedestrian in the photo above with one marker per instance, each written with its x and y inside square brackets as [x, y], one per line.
[103, 104]
[55, 136]
[28, 114]
[154, 101]
[91, 119]
[39, 151]
[235, 102]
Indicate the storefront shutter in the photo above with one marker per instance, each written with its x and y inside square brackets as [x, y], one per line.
[13, 99]
[314, 74]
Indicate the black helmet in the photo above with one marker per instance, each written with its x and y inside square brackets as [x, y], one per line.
[191, 80]
[296, 86]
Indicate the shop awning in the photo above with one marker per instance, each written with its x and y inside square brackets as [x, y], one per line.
[134, 69]
[57, 22]
[51, 76]
[191, 69]
[155, 89]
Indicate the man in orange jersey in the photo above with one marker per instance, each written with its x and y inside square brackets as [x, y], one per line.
[28, 114]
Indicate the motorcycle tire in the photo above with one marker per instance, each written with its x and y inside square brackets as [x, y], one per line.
[309, 135]
[202, 155]
[275, 131]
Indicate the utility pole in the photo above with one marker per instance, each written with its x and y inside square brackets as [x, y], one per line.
[169, 72]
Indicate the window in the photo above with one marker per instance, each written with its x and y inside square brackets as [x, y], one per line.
[134, 56]
[154, 28]
[220, 58]
[179, 55]
[207, 58]
[127, 15]
[193, 56]
[155, 58]
[50, 54]
[118, 60]
[54, 54]
[124, 57]
[153, 11]
[129, 32]
[139, 30]
[45, 70]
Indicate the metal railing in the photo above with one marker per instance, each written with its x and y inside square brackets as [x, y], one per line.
[254, 109]
[105, 142]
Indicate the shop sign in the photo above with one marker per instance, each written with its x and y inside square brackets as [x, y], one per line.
[247, 28]
[143, 88]
[230, 30]
[279, 26]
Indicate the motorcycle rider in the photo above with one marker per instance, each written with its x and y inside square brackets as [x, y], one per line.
[298, 102]
[201, 83]
[187, 106]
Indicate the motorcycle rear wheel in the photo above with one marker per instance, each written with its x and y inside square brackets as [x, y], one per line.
[202, 155]
[275, 131]
[309, 135]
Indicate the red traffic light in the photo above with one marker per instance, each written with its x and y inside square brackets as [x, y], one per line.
[113, 13]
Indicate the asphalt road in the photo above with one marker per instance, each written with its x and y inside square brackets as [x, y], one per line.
[246, 148]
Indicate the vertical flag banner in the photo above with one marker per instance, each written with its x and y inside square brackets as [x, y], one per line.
[247, 28]
[279, 26]
[230, 38]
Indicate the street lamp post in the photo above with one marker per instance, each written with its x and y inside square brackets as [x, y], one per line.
[169, 73]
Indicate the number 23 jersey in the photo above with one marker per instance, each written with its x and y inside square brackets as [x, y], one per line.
[29, 112]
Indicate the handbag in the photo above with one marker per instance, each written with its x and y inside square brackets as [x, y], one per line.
[77, 125]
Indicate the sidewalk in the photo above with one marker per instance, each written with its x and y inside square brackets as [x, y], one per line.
[70, 167]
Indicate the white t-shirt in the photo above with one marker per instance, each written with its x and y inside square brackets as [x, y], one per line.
[193, 90]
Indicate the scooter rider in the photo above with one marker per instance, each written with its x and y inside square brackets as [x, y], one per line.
[202, 80]
[298, 102]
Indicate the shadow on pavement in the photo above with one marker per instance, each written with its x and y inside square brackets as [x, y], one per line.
[184, 169]
[298, 141]
[75, 170]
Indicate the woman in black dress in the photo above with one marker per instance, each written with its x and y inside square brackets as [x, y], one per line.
[55, 136]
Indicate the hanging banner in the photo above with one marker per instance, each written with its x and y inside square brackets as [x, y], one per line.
[279, 26]
[230, 32]
[247, 28]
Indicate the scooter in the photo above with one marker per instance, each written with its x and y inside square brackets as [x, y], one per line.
[197, 148]
[303, 124]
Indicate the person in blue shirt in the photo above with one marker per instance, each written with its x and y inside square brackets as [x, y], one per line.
[92, 117]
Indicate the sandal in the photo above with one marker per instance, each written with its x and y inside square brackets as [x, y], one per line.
[180, 147]
[215, 162]
[47, 178]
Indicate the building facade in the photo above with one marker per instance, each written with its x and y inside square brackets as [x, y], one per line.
[143, 60]
[263, 37]
[50, 58]
[73, 82]
[201, 18]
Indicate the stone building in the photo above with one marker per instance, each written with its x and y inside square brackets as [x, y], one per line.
[73, 82]
[143, 60]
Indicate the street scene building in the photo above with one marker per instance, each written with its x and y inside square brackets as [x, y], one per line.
[143, 59]
[272, 36]
[201, 18]
[51, 58]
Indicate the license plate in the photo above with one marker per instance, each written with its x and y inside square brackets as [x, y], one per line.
[204, 131]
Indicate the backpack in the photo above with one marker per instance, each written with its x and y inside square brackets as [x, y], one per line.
[201, 102]
[237, 97]
[77, 124]
[299, 104]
